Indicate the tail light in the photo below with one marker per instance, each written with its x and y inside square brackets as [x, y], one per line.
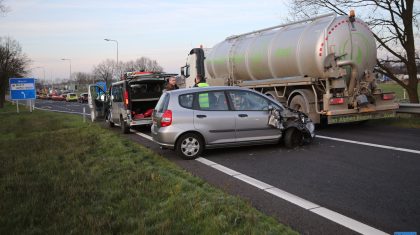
[334, 101]
[388, 96]
[166, 118]
[126, 99]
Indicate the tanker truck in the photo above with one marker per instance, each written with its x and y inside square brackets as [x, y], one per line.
[322, 66]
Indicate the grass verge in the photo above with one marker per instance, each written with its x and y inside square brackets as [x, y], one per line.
[60, 175]
[399, 91]
[402, 120]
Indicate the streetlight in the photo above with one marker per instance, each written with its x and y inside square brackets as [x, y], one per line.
[70, 66]
[112, 40]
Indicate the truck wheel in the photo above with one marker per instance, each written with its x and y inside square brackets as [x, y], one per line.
[293, 138]
[298, 103]
[109, 120]
[189, 146]
[125, 129]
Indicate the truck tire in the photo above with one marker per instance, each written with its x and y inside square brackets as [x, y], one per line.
[293, 138]
[299, 103]
[189, 146]
[125, 129]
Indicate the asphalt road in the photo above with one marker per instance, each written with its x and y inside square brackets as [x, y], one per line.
[62, 106]
[374, 181]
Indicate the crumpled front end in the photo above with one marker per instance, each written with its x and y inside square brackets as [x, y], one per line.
[289, 118]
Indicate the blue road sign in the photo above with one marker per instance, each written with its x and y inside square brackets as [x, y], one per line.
[22, 88]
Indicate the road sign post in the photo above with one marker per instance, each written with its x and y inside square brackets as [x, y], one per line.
[22, 89]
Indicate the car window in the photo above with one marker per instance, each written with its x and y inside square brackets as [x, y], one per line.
[212, 101]
[247, 100]
[186, 100]
[162, 104]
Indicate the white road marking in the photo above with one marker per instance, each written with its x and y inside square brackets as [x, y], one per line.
[305, 204]
[370, 144]
[346, 221]
[142, 135]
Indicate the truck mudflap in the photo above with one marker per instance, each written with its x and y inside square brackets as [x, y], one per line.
[361, 116]
[289, 118]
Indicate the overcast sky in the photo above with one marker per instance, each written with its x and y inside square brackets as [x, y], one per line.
[49, 30]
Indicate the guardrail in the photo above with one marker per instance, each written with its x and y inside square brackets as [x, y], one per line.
[409, 108]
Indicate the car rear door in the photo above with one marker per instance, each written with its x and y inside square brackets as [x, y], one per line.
[251, 116]
[213, 118]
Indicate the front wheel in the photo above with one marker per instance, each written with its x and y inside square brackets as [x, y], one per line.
[189, 146]
[109, 120]
[293, 138]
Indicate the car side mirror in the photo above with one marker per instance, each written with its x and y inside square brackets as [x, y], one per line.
[270, 107]
[182, 71]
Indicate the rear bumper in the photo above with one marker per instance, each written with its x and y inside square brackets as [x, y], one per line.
[140, 122]
[361, 116]
[166, 136]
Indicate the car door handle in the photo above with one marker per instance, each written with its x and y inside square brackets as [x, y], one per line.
[201, 116]
[243, 115]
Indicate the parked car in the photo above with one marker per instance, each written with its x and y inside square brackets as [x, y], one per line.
[71, 97]
[191, 120]
[83, 98]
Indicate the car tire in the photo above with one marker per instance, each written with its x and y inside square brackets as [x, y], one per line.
[125, 129]
[293, 138]
[189, 146]
[108, 119]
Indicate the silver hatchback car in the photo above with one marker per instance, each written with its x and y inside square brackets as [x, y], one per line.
[194, 119]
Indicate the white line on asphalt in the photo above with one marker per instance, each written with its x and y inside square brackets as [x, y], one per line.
[370, 144]
[58, 111]
[142, 135]
[305, 204]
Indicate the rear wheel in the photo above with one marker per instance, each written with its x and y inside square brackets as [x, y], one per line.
[125, 129]
[293, 138]
[189, 146]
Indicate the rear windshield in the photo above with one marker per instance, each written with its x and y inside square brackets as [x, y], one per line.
[162, 105]
[146, 89]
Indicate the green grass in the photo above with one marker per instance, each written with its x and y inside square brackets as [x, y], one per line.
[399, 91]
[59, 175]
[402, 120]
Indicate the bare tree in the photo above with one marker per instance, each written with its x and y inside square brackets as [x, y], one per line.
[142, 63]
[13, 63]
[393, 23]
[83, 78]
[105, 71]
